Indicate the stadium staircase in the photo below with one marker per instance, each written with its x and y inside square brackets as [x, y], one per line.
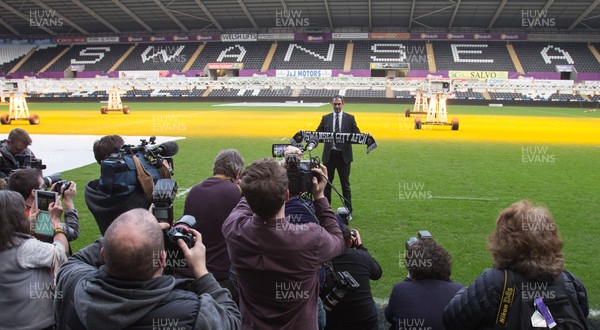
[207, 91]
[586, 97]
[595, 52]
[193, 58]
[23, 60]
[56, 58]
[269, 57]
[430, 58]
[515, 58]
[486, 95]
[389, 93]
[122, 58]
[348, 60]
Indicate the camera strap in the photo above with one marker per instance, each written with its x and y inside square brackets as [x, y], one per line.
[506, 301]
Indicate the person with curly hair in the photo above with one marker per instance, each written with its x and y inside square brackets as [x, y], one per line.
[418, 301]
[526, 249]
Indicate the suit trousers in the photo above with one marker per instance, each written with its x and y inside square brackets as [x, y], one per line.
[336, 163]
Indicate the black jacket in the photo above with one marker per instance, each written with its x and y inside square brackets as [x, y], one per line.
[357, 310]
[476, 306]
[106, 208]
[348, 126]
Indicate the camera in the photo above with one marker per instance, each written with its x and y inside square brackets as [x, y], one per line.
[55, 179]
[29, 161]
[422, 234]
[51, 179]
[340, 284]
[163, 196]
[344, 214]
[175, 258]
[118, 174]
[299, 173]
[180, 232]
[61, 186]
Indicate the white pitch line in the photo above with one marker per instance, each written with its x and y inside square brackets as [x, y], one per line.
[466, 198]
[183, 193]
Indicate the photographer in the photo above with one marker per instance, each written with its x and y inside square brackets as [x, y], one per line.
[27, 267]
[118, 283]
[107, 197]
[27, 181]
[277, 261]
[357, 309]
[17, 144]
[210, 202]
[422, 296]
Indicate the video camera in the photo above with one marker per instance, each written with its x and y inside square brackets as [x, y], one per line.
[299, 173]
[29, 161]
[298, 170]
[118, 174]
[154, 155]
[423, 234]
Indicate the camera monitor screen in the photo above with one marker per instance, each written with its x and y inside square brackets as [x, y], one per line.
[44, 198]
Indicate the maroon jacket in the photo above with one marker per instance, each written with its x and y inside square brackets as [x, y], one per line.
[210, 202]
[277, 264]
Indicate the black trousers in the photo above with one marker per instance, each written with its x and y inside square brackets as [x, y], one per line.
[336, 163]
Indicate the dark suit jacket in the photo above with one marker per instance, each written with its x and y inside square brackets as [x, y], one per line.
[348, 126]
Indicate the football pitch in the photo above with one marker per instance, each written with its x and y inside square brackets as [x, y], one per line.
[452, 183]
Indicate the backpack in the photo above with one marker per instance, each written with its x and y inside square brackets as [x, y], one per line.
[517, 303]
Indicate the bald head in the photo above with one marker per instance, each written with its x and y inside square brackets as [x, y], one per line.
[133, 246]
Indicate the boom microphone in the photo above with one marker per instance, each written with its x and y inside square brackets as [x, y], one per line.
[168, 149]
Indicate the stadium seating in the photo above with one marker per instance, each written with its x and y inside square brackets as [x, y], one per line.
[291, 55]
[94, 57]
[468, 96]
[402, 95]
[501, 96]
[40, 58]
[159, 56]
[544, 56]
[11, 54]
[365, 93]
[566, 98]
[225, 92]
[282, 92]
[138, 93]
[252, 54]
[472, 56]
[324, 93]
[389, 51]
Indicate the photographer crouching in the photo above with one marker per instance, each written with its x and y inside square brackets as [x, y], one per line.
[347, 296]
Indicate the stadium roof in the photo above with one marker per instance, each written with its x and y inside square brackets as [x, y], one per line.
[121, 17]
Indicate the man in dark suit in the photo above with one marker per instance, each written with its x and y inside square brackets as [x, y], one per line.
[338, 156]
